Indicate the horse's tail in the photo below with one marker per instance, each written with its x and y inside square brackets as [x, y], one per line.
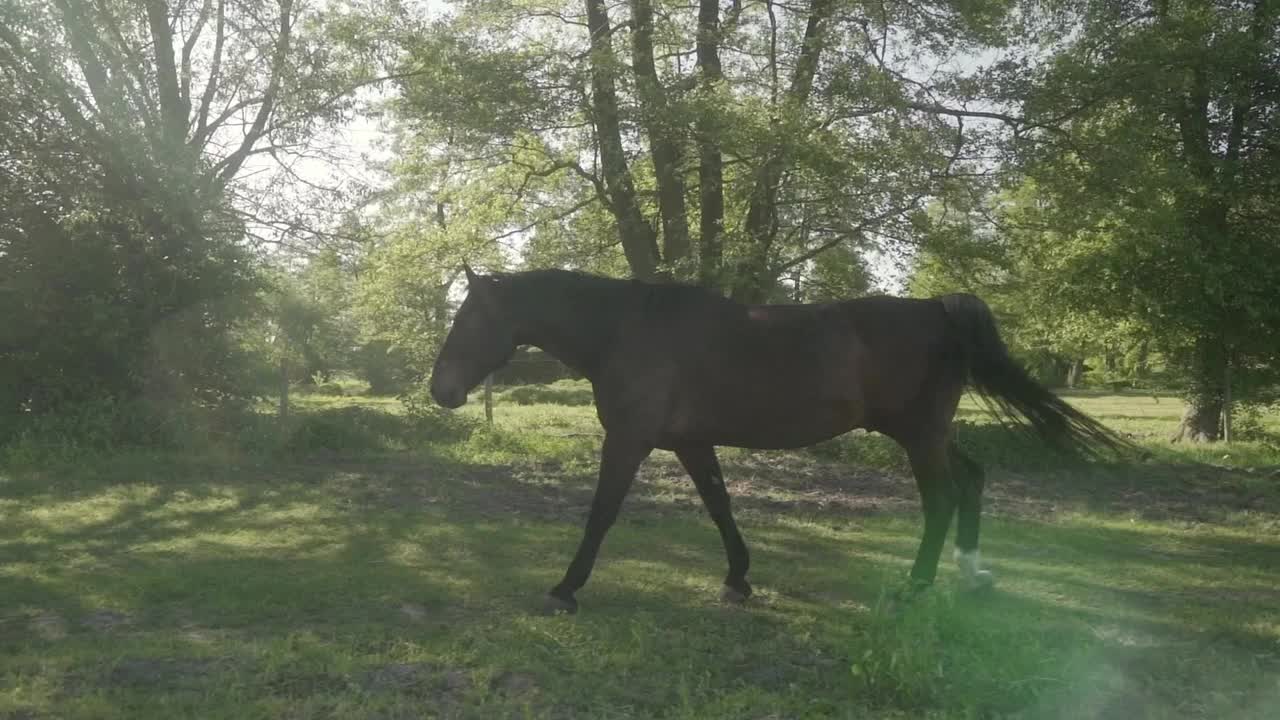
[1012, 395]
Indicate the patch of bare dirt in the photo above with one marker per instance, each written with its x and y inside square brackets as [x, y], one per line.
[161, 674]
[515, 685]
[810, 487]
[1186, 493]
[153, 673]
[48, 625]
[105, 620]
[781, 482]
[441, 685]
[305, 684]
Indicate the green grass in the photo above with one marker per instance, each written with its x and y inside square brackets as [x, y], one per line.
[367, 569]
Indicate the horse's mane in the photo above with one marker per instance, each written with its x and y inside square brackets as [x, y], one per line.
[586, 310]
[593, 293]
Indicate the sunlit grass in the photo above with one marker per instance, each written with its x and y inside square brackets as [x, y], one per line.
[386, 582]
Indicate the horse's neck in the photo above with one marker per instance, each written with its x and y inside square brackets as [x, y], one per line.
[576, 331]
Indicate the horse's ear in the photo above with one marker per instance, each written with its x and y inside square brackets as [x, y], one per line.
[472, 278]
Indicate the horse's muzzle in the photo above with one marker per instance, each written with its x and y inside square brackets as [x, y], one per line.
[448, 395]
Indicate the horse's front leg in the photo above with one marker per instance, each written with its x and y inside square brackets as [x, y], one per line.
[620, 458]
[704, 468]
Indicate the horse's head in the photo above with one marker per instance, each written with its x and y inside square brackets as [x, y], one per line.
[481, 340]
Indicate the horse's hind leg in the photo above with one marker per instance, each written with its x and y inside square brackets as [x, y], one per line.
[704, 468]
[969, 481]
[930, 465]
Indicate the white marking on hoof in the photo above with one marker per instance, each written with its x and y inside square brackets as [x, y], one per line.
[972, 575]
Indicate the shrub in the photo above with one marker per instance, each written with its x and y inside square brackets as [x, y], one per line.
[384, 366]
[561, 392]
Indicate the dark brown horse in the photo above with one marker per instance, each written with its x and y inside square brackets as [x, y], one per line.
[684, 369]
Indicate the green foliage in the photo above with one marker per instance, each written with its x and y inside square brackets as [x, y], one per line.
[307, 324]
[402, 296]
[106, 300]
[561, 392]
[353, 430]
[494, 117]
[126, 278]
[1152, 209]
[88, 430]
[1251, 423]
[444, 424]
[383, 365]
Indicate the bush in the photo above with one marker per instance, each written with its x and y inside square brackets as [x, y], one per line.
[329, 389]
[530, 366]
[347, 430]
[561, 392]
[433, 421]
[384, 366]
[1250, 422]
[109, 425]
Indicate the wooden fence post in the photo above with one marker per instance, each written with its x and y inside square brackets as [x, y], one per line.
[284, 390]
[488, 399]
[1226, 402]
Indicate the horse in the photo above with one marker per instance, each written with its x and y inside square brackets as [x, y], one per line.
[681, 368]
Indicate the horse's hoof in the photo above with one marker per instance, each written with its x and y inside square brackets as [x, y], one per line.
[555, 605]
[979, 581]
[906, 596]
[734, 596]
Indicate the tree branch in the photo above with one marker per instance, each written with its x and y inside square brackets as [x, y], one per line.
[187, 48]
[90, 64]
[172, 116]
[211, 83]
[554, 218]
[863, 226]
[135, 65]
[761, 221]
[227, 168]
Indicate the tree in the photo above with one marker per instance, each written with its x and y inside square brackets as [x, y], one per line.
[128, 131]
[1159, 177]
[104, 291]
[733, 144]
[1002, 247]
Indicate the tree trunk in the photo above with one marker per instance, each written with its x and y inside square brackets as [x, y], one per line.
[1141, 367]
[710, 161]
[663, 137]
[639, 242]
[1200, 420]
[753, 277]
[1204, 397]
[1075, 373]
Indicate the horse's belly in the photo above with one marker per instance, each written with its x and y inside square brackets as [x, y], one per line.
[763, 421]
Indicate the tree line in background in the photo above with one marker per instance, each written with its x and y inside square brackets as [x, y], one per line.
[1104, 174]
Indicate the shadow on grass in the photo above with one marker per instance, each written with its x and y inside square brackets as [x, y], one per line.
[403, 580]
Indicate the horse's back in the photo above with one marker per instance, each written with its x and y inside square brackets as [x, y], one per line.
[777, 375]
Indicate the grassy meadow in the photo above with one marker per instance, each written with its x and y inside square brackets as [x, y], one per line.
[373, 565]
